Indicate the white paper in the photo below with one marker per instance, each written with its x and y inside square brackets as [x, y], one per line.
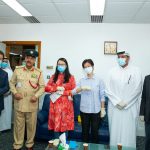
[54, 97]
[19, 85]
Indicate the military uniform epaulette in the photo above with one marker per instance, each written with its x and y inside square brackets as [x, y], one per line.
[38, 69]
[18, 67]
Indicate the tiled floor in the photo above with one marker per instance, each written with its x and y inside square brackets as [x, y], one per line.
[6, 141]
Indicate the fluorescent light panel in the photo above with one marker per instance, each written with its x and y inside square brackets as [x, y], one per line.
[97, 7]
[17, 7]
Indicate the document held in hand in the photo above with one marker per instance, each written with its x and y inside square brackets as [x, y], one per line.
[54, 96]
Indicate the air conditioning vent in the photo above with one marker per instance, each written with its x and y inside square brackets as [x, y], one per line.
[96, 19]
[32, 19]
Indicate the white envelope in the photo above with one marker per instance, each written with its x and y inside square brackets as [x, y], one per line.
[54, 97]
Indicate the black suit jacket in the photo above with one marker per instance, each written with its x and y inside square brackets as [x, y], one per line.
[4, 87]
[145, 103]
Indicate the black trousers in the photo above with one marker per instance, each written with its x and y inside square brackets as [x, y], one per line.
[90, 122]
[147, 132]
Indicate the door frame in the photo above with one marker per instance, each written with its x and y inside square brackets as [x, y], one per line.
[32, 43]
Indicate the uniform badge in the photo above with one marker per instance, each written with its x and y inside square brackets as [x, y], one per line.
[34, 76]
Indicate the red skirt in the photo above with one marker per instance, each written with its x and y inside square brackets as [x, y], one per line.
[61, 115]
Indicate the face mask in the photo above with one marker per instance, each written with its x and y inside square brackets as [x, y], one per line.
[61, 68]
[4, 65]
[122, 61]
[88, 70]
[0, 63]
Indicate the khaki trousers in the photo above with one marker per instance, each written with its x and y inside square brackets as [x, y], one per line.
[20, 120]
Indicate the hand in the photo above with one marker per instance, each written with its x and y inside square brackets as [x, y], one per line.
[141, 118]
[70, 98]
[103, 113]
[60, 88]
[85, 88]
[121, 105]
[18, 96]
[60, 92]
[78, 90]
[33, 99]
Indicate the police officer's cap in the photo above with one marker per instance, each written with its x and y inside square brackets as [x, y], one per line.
[32, 53]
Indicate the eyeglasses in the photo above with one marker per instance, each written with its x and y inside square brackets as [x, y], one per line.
[61, 64]
[6, 61]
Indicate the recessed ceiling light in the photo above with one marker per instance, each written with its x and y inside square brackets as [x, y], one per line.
[97, 7]
[17, 7]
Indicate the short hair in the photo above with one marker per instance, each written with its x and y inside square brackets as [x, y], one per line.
[90, 61]
[1, 53]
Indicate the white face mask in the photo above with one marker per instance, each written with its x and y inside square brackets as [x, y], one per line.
[88, 70]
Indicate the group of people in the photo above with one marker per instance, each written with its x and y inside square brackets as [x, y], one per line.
[123, 89]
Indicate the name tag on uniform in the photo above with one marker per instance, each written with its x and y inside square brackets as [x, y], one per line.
[19, 85]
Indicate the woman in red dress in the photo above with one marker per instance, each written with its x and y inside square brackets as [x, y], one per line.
[61, 113]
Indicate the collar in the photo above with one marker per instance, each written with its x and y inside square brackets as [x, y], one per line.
[121, 68]
[93, 77]
[26, 69]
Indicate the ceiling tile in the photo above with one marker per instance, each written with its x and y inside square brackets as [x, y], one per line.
[69, 1]
[12, 20]
[34, 1]
[49, 19]
[7, 11]
[117, 19]
[114, 10]
[70, 11]
[43, 9]
[128, 1]
[2, 3]
[144, 13]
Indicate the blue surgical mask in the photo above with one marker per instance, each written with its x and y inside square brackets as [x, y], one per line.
[61, 68]
[122, 61]
[0, 63]
[4, 65]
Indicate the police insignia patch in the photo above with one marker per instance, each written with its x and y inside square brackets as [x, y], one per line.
[33, 76]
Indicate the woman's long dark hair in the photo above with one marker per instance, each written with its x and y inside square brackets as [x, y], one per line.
[66, 72]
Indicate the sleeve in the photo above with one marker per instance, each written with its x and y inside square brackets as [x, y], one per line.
[41, 86]
[13, 82]
[51, 86]
[102, 90]
[78, 86]
[143, 102]
[135, 95]
[5, 88]
[71, 86]
[109, 93]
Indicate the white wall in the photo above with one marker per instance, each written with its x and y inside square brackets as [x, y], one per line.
[79, 41]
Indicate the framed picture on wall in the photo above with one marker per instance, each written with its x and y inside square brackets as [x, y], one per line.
[110, 47]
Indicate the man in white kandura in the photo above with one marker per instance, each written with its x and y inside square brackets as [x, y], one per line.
[6, 115]
[123, 88]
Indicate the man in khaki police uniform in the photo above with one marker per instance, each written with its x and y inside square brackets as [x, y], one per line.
[27, 85]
